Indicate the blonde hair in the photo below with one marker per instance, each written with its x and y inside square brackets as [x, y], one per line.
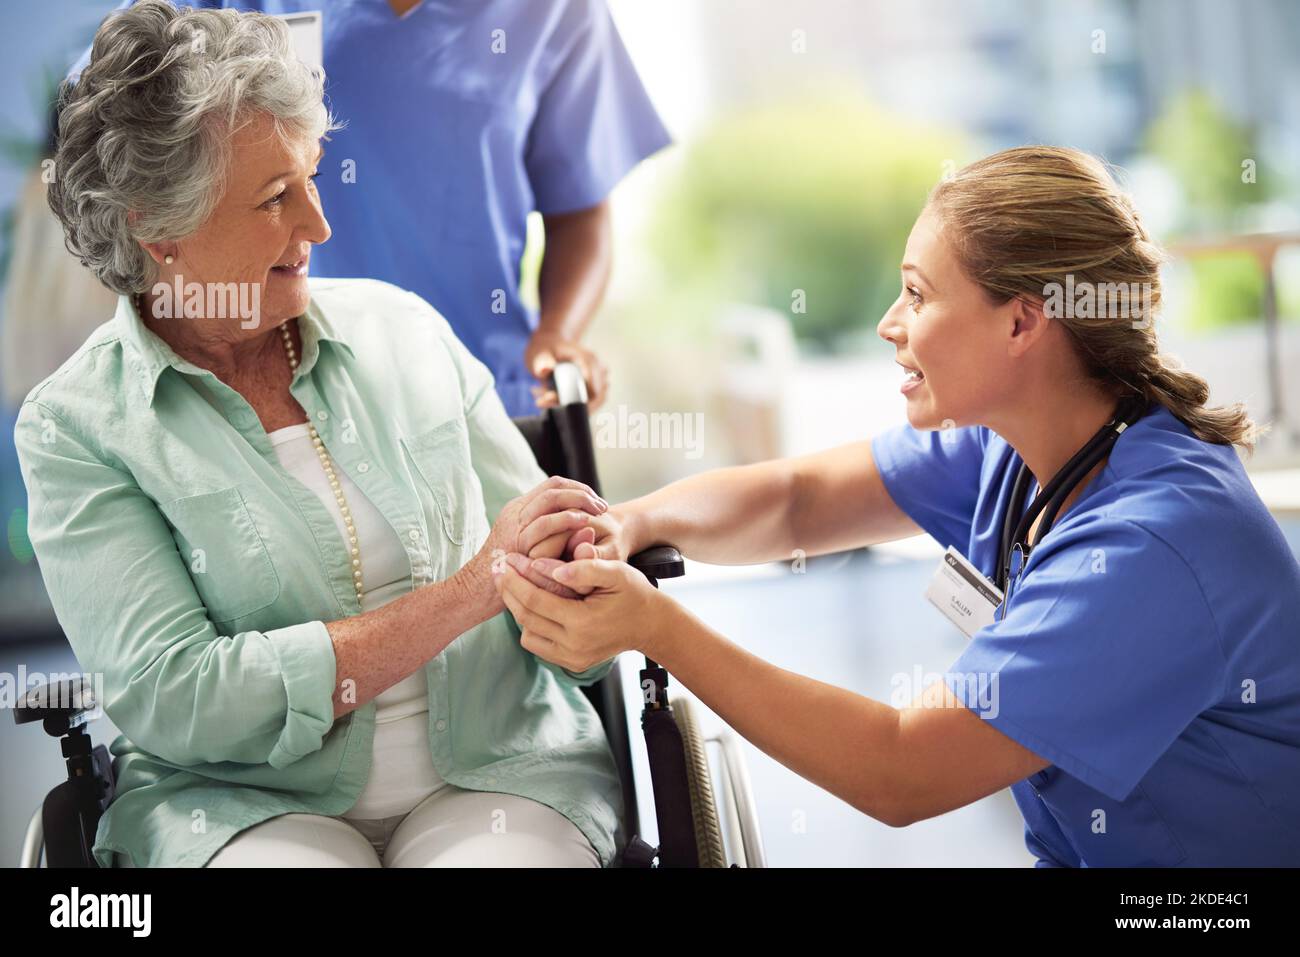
[1032, 219]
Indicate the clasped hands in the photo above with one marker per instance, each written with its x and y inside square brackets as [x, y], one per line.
[559, 565]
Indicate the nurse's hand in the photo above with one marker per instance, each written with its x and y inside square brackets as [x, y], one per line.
[620, 611]
[607, 536]
[546, 349]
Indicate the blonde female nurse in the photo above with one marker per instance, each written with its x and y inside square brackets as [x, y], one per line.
[265, 506]
[1140, 689]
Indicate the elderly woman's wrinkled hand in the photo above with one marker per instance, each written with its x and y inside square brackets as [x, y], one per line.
[550, 513]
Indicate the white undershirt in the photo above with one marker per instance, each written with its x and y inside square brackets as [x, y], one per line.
[401, 770]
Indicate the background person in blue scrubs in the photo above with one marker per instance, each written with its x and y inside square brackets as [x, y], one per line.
[462, 117]
[1141, 695]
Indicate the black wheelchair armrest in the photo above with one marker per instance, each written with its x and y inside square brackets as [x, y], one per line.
[61, 705]
[661, 561]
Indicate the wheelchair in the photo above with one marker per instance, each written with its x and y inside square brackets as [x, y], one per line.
[696, 827]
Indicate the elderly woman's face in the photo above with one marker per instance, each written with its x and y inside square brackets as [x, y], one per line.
[269, 216]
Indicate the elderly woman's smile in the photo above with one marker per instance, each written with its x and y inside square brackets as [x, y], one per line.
[297, 267]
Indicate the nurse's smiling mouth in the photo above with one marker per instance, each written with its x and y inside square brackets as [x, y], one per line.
[914, 378]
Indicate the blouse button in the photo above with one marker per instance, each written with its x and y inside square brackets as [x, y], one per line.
[363, 468]
[441, 725]
[414, 534]
[322, 415]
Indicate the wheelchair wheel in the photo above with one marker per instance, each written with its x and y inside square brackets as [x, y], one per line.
[704, 809]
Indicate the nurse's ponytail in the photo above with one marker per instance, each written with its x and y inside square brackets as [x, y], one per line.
[1038, 223]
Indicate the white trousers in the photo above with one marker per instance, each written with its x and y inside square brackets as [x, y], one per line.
[452, 827]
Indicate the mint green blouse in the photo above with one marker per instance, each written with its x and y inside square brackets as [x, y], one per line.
[195, 574]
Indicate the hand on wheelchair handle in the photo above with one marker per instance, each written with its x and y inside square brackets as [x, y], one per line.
[568, 372]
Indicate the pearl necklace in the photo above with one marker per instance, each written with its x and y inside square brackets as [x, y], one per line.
[321, 454]
[328, 466]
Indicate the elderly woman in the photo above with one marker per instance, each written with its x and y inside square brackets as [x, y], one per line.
[266, 506]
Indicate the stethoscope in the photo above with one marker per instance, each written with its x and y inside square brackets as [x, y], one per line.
[1053, 496]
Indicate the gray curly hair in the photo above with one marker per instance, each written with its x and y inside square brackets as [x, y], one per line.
[144, 133]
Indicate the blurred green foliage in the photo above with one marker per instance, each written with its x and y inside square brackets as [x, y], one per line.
[1207, 152]
[1204, 149]
[817, 195]
[1227, 289]
[530, 261]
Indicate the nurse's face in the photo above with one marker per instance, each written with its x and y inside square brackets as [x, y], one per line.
[945, 329]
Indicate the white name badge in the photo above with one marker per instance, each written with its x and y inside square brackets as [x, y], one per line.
[965, 596]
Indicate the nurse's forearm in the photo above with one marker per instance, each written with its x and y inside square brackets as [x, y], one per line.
[575, 270]
[733, 516]
[841, 741]
[375, 650]
[771, 511]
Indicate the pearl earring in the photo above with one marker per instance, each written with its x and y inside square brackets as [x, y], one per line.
[169, 259]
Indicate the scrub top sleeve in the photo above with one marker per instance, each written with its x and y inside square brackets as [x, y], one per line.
[1108, 651]
[933, 476]
[594, 119]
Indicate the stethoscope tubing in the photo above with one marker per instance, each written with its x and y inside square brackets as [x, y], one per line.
[1050, 499]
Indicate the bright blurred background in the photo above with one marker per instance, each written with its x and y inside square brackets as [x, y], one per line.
[759, 253]
[756, 255]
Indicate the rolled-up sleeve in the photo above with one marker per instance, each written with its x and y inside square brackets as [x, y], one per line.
[124, 597]
[305, 655]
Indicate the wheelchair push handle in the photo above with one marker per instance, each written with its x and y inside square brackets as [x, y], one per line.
[661, 561]
[569, 385]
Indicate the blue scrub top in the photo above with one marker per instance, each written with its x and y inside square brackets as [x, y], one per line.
[453, 145]
[1150, 648]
